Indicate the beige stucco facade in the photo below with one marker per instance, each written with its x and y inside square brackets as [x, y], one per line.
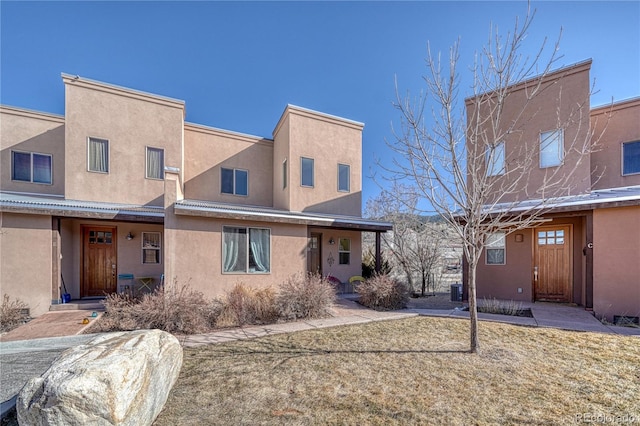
[108, 221]
[589, 240]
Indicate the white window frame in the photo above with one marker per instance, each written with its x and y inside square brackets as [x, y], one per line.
[247, 270]
[348, 189]
[341, 251]
[496, 241]
[234, 183]
[146, 168]
[108, 159]
[495, 159]
[313, 166]
[622, 158]
[157, 249]
[548, 141]
[31, 154]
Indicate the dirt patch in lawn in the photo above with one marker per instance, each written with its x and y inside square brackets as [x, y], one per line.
[434, 301]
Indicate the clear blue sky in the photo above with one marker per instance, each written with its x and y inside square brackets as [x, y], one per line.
[237, 64]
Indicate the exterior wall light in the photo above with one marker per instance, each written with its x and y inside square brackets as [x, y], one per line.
[129, 236]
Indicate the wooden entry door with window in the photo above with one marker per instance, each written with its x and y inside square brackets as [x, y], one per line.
[314, 253]
[99, 261]
[553, 265]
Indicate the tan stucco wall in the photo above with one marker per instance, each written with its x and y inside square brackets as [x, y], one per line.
[29, 131]
[129, 252]
[558, 102]
[342, 272]
[622, 126]
[282, 152]
[328, 141]
[25, 260]
[616, 262]
[130, 121]
[208, 150]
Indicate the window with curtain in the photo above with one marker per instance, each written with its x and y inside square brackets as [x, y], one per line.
[495, 249]
[31, 167]
[631, 158]
[151, 247]
[246, 250]
[344, 171]
[344, 251]
[155, 163]
[98, 155]
[551, 148]
[495, 159]
[307, 171]
[234, 181]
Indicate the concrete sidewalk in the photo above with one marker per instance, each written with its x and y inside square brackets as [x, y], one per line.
[25, 354]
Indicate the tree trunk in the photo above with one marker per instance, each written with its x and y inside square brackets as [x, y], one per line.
[473, 309]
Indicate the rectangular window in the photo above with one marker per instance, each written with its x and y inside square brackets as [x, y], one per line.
[495, 159]
[344, 251]
[246, 250]
[155, 163]
[307, 171]
[98, 154]
[551, 148]
[151, 247]
[31, 167]
[234, 181]
[495, 249]
[284, 174]
[631, 158]
[344, 175]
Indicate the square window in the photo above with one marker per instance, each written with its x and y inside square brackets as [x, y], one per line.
[344, 251]
[151, 247]
[495, 159]
[246, 250]
[495, 249]
[98, 153]
[631, 158]
[344, 175]
[31, 167]
[155, 163]
[551, 148]
[307, 171]
[234, 181]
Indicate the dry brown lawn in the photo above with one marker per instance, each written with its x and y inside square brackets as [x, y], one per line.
[413, 371]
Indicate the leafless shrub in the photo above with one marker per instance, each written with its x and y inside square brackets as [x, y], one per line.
[381, 292]
[305, 296]
[12, 313]
[246, 305]
[502, 307]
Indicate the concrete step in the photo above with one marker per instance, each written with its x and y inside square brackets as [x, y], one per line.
[79, 305]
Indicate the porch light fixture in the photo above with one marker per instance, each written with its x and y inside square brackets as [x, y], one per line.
[129, 236]
[332, 241]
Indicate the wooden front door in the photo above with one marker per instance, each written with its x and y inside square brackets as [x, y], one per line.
[99, 266]
[314, 253]
[552, 273]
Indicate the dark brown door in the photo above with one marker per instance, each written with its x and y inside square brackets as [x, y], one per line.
[98, 261]
[314, 253]
[552, 264]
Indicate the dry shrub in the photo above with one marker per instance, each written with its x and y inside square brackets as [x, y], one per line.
[12, 313]
[305, 296]
[502, 307]
[180, 310]
[381, 292]
[247, 305]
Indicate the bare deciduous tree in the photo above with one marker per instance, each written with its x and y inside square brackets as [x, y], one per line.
[473, 160]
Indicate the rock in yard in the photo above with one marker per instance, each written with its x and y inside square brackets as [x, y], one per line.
[115, 379]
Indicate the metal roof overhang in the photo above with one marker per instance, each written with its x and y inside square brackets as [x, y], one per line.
[260, 214]
[60, 207]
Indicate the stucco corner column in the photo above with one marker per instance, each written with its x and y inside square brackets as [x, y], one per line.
[172, 193]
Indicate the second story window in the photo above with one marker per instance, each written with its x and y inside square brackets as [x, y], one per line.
[551, 148]
[631, 158]
[234, 181]
[344, 175]
[495, 159]
[284, 174]
[31, 167]
[155, 163]
[306, 174]
[98, 153]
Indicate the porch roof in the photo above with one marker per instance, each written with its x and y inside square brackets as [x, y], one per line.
[11, 202]
[264, 214]
[599, 198]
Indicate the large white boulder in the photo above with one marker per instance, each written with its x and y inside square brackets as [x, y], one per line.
[115, 379]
